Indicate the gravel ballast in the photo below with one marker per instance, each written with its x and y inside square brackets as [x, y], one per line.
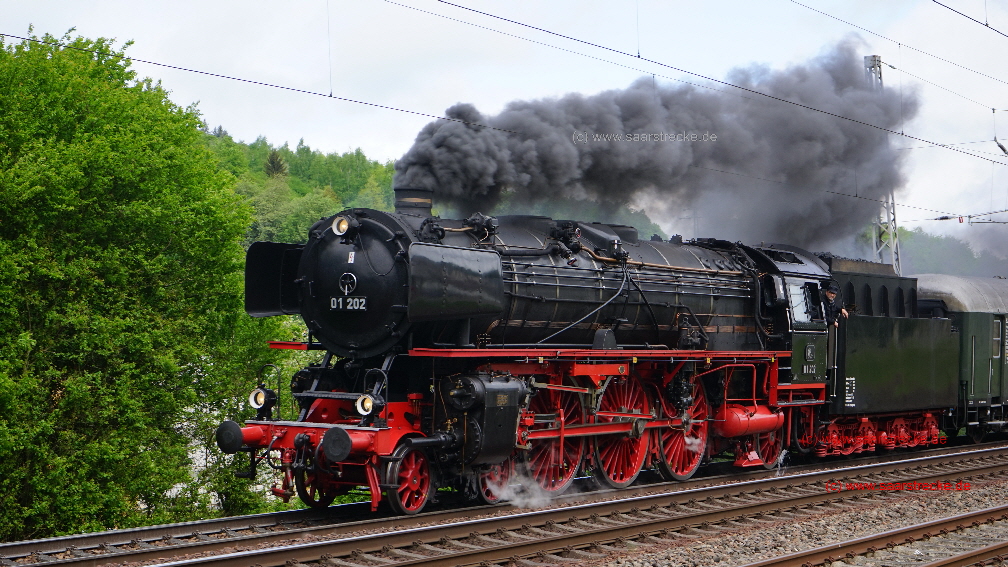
[751, 543]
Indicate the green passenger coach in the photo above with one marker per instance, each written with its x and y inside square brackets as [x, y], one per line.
[976, 309]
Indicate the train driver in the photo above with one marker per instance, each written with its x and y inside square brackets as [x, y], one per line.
[832, 308]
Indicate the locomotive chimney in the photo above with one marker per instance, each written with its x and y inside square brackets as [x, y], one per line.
[413, 201]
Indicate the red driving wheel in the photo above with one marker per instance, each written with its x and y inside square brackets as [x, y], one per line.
[409, 472]
[619, 457]
[549, 462]
[684, 443]
[493, 482]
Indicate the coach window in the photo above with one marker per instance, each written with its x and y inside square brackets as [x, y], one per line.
[866, 298]
[900, 303]
[997, 338]
[885, 302]
[849, 297]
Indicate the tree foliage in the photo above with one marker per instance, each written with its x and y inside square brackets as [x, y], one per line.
[924, 253]
[313, 184]
[120, 294]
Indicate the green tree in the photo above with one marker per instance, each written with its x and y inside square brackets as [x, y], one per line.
[373, 196]
[120, 303]
[923, 253]
[275, 164]
[314, 185]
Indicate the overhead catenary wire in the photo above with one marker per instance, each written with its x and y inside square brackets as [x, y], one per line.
[252, 82]
[921, 51]
[984, 24]
[726, 83]
[1004, 152]
[565, 50]
[329, 43]
[933, 84]
[969, 218]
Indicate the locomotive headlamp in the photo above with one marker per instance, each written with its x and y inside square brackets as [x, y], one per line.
[340, 226]
[262, 397]
[365, 405]
[369, 404]
[345, 226]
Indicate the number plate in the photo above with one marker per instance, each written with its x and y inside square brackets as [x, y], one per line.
[348, 303]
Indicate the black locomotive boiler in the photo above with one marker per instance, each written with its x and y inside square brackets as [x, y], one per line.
[458, 352]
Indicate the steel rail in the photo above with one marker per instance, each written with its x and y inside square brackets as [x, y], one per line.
[890, 539]
[141, 538]
[128, 535]
[627, 518]
[997, 550]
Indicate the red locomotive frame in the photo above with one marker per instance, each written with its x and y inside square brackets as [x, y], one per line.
[603, 408]
[603, 405]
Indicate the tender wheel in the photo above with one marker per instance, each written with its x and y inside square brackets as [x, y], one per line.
[682, 446]
[551, 466]
[492, 483]
[410, 472]
[313, 490]
[769, 447]
[976, 433]
[619, 458]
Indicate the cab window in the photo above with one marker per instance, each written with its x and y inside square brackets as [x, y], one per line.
[806, 305]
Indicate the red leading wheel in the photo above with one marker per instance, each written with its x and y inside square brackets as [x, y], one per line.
[769, 447]
[619, 457]
[314, 489]
[410, 473]
[683, 445]
[493, 482]
[549, 462]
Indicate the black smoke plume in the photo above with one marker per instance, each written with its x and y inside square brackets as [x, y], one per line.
[776, 161]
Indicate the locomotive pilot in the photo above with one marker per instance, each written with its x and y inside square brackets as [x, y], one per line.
[833, 310]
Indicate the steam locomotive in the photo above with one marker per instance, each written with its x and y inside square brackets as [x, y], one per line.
[472, 352]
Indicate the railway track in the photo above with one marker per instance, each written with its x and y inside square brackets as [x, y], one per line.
[957, 541]
[453, 537]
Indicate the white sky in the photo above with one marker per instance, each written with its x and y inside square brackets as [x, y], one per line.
[387, 54]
